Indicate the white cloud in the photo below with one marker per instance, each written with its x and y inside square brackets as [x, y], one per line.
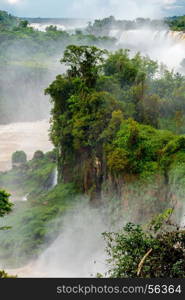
[169, 1]
[127, 9]
[13, 1]
[122, 9]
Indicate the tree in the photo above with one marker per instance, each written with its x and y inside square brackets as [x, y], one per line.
[51, 28]
[156, 251]
[19, 158]
[38, 155]
[7, 20]
[128, 71]
[150, 110]
[84, 62]
[23, 24]
[80, 115]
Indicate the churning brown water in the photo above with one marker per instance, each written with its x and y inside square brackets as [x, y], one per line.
[27, 136]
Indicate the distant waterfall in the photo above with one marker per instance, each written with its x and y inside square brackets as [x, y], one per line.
[182, 223]
[165, 46]
[54, 178]
[25, 198]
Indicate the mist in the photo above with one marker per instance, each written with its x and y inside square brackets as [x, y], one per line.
[129, 9]
[22, 84]
[79, 250]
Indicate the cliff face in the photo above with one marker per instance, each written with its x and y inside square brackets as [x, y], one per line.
[139, 199]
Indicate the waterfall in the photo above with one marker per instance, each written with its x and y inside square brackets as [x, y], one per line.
[182, 223]
[54, 178]
[25, 198]
[160, 45]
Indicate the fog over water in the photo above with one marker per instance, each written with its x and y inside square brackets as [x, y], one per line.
[79, 251]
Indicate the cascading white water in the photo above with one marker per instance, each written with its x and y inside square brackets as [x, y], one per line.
[165, 46]
[55, 178]
[182, 223]
[25, 198]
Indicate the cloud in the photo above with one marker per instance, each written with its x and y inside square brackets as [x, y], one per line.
[127, 9]
[13, 1]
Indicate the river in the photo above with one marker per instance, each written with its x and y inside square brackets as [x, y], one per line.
[26, 136]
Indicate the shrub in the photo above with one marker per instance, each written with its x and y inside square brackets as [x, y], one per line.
[3, 274]
[153, 252]
[5, 205]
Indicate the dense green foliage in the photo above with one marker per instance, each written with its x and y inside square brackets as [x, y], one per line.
[102, 109]
[35, 224]
[5, 208]
[32, 177]
[5, 204]
[156, 251]
[176, 23]
[7, 21]
[37, 46]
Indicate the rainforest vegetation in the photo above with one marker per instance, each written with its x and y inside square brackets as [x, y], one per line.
[176, 23]
[101, 27]
[103, 146]
[117, 126]
[107, 114]
[30, 56]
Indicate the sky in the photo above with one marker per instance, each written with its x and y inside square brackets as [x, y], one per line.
[122, 9]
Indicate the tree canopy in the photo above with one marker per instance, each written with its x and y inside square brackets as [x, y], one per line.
[84, 62]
